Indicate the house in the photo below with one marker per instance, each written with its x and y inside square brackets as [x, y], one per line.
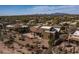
[45, 27]
[10, 27]
[68, 22]
[52, 33]
[1, 26]
[36, 30]
[45, 31]
[23, 29]
[74, 36]
[39, 30]
[20, 28]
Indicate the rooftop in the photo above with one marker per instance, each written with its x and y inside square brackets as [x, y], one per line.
[46, 27]
[76, 32]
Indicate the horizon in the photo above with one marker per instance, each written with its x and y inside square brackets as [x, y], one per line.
[14, 10]
[40, 14]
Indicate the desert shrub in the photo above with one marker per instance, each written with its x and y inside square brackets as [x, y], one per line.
[27, 45]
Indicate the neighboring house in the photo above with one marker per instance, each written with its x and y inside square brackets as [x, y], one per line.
[19, 28]
[74, 36]
[39, 30]
[10, 26]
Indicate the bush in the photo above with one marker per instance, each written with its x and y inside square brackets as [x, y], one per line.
[27, 45]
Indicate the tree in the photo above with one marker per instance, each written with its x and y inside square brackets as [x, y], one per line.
[50, 42]
[77, 24]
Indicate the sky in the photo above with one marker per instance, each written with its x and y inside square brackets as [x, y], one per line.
[38, 9]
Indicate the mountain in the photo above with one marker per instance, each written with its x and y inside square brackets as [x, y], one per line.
[52, 14]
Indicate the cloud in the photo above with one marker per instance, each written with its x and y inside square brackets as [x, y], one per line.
[53, 9]
[73, 9]
[38, 10]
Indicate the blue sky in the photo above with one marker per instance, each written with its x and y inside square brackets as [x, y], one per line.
[32, 9]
